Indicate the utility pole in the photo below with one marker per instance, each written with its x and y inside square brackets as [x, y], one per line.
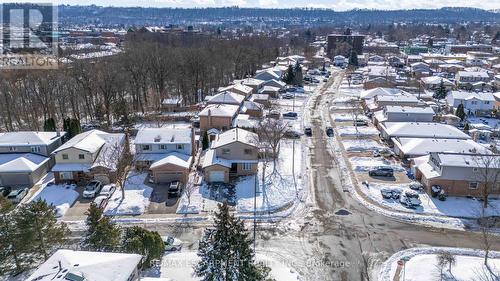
[255, 210]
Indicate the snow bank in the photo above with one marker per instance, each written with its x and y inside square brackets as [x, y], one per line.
[422, 263]
[364, 164]
[136, 200]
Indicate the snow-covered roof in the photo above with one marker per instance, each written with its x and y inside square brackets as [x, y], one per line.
[423, 130]
[480, 74]
[234, 135]
[163, 136]
[171, 101]
[174, 158]
[227, 97]
[211, 159]
[417, 146]
[29, 138]
[368, 94]
[464, 95]
[261, 97]
[268, 88]
[111, 151]
[238, 88]
[94, 266]
[245, 121]
[270, 74]
[220, 110]
[21, 162]
[251, 105]
[461, 159]
[252, 82]
[397, 98]
[408, 109]
[436, 80]
[90, 141]
[71, 167]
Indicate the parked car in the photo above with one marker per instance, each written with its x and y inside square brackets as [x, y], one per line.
[292, 134]
[386, 193]
[410, 202]
[308, 131]
[287, 96]
[108, 190]
[171, 243]
[174, 189]
[92, 189]
[391, 193]
[360, 122]
[4, 190]
[415, 185]
[274, 114]
[325, 80]
[435, 190]
[290, 115]
[291, 89]
[329, 131]
[411, 194]
[101, 201]
[385, 152]
[16, 195]
[382, 171]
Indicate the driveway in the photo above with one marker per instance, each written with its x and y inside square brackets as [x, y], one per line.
[160, 203]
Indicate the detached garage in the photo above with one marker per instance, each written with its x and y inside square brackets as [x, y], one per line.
[174, 167]
[215, 169]
[22, 169]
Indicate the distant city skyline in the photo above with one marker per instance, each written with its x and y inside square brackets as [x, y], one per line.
[339, 5]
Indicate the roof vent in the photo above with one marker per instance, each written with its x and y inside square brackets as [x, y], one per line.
[172, 139]
[157, 138]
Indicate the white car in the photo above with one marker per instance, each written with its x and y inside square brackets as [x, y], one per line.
[171, 243]
[108, 190]
[101, 201]
[92, 189]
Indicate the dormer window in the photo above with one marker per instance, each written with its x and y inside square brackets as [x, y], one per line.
[13, 148]
[163, 147]
[35, 149]
[180, 146]
[146, 147]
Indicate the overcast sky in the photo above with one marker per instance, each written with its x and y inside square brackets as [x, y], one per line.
[340, 5]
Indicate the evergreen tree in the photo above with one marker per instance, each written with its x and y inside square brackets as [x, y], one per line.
[49, 125]
[289, 76]
[144, 242]
[440, 92]
[466, 128]
[353, 60]
[102, 234]
[297, 74]
[40, 229]
[71, 127]
[225, 251]
[204, 141]
[460, 112]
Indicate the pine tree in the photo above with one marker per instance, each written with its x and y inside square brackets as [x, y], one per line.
[204, 141]
[289, 76]
[102, 234]
[297, 74]
[226, 252]
[143, 242]
[440, 92]
[466, 127]
[460, 112]
[40, 229]
[353, 60]
[49, 125]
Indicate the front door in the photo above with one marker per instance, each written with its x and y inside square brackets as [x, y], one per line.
[234, 168]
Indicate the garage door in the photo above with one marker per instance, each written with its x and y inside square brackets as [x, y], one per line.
[16, 179]
[216, 176]
[103, 178]
[168, 177]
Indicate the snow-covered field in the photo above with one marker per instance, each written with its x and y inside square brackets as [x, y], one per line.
[361, 145]
[422, 265]
[179, 267]
[136, 199]
[364, 164]
[453, 206]
[362, 131]
[61, 196]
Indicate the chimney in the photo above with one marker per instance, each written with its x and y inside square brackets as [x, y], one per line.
[209, 118]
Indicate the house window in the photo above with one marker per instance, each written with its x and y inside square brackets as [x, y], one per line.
[226, 151]
[65, 156]
[248, 151]
[163, 146]
[146, 147]
[13, 148]
[473, 102]
[473, 185]
[487, 102]
[35, 149]
[66, 175]
[247, 166]
[475, 170]
[81, 156]
[180, 146]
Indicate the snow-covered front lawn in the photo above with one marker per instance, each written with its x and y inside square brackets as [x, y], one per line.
[364, 164]
[422, 263]
[361, 145]
[60, 196]
[453, 206]
[136, 200]
[179, 267]
[345, 117]
[345, 131]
